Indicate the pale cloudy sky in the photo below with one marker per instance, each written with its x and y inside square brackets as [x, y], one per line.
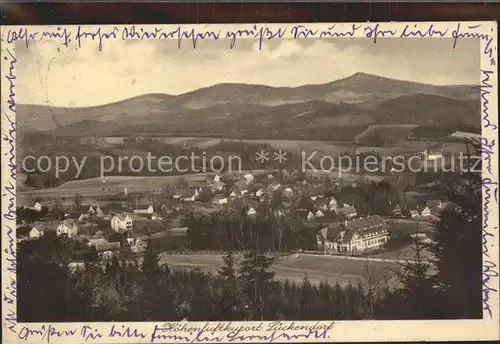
[59, 76]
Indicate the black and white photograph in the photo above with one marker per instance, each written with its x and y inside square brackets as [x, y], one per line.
[231, 179]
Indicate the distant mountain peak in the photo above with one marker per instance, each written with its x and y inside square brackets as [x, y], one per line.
[366, 76]
[362, 74]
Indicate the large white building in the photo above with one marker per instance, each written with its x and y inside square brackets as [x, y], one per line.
[354, 236]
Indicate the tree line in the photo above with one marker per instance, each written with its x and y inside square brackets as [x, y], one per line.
[233, 229]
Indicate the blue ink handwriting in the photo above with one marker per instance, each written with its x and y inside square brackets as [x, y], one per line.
[11, 77]
[125, 332]
[485, 94]
[89, 333]
[487, 184]
[429, 32]
[11, 139]
[21, 34]
[60, 33]
[258, 33]
[489, 267]
[489, 52]
[487, 153]
[376, 32]
[457, 34]
[275, 335]
[330, 33]
[9, 196]
[488, 272]
[11, 320]
[45, 333]
[300, 31]
[98, 35]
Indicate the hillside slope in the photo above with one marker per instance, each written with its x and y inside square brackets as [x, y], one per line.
[232, 110]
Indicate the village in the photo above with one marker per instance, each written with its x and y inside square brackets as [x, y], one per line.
[108, 227]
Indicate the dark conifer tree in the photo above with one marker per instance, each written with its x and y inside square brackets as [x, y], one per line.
[151, 277]
[256, 280]
[457, 250]
[233, 299]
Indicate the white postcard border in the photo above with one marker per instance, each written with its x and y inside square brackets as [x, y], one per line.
[345, 331]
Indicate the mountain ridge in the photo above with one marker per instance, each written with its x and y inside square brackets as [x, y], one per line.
[230, 108]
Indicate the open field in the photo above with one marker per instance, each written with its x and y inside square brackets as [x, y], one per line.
[333, 148]
[319, 268]
[322, 147]
[407, 226]
[405, 253]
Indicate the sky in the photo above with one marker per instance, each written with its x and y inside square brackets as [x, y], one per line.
[56, 75]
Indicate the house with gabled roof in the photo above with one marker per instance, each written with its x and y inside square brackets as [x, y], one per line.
[348, 212]
[333, 203]
[219, 199]
[84, 212]
[45, 227]
[326, 238]
[68, 227]
[248, 178]
[35, 233]
[217, 186]
[251, 212]
[122, 222]
[414, 214]
[138, 244]
[436, 206]
[310, 216]
[98, 212]
[235, 194]
[37, 206]
[104, 248]
[397, 212]
[145, 209]
[425, 211]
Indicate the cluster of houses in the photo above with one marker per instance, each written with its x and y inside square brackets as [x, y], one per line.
[246, 190]
[346, 232]
[367, 233]
[430, 210]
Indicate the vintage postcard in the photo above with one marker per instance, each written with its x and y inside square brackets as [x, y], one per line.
[250, 183]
